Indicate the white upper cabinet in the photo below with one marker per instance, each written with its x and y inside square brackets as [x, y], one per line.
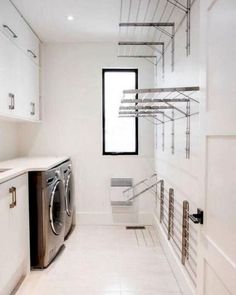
[14, 27]
[19, 66]
[8, 75]
[27, 91]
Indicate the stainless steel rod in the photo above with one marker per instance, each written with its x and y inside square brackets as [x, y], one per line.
[146, 107]
[157, 90]
[146, 100]
[138, 56]
[140, 43]
[152, 24]
[140, 193]
[140, 113]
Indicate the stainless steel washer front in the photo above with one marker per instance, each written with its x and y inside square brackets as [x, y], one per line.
[66, 169]
[47, 216]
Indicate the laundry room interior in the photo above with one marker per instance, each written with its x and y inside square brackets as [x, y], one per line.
[117, 136]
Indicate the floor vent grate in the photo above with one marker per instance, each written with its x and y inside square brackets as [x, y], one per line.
[135, 227]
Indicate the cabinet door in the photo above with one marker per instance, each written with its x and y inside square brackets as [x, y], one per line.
[10, 21]
[33, 97]
[19, 223]
[19, 80]
[27, 88]
[29, 43]
[14, 230]
[8, 62]
[7, 266]
[18, 31]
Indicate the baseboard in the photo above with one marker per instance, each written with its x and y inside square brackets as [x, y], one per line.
[177, 268]
[109, 218]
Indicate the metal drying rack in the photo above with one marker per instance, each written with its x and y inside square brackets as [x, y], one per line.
[174, 219]
[167, 28]
[160, 101]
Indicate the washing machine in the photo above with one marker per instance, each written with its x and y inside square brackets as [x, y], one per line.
[66, 170]
[47, 216]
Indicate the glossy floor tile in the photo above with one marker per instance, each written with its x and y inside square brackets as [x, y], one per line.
[106, 260]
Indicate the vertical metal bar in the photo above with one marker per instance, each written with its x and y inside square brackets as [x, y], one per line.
[163, 133]
[156, 190]
[156, 136]
[162, 202]
[173, 49]
[188, 30]
[185, 232]
[173, 132]
[171, 213]
[163, 61]
[188, 130]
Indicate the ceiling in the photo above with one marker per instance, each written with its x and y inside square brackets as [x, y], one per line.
[94, 20]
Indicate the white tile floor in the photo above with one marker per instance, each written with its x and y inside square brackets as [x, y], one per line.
[106, 260]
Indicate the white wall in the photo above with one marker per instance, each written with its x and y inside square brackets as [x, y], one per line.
[8, 140]
[72, 123]
[178, 172]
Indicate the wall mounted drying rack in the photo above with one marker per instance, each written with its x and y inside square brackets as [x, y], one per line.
[174, 219]
[148, 184]
[163, 29]
[159, 26]
[153, 45]
[187, 10]
[156, 106]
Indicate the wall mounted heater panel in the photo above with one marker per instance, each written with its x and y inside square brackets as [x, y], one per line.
[117, 186]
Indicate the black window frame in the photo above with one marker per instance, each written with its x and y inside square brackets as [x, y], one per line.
[104, 153]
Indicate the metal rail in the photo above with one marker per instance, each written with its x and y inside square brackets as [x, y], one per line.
[187, 10]
[159, 26]
[146, 107]
[142, 187]
[158, 90]
[180, 236]
[137, 107]
[149, 44]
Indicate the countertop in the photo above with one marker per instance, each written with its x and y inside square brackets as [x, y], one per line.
[18, 166]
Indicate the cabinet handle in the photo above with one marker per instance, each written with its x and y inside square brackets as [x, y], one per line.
[10, 30]
[33, 109]
[12, 105]
[12, 191]
[32, 53]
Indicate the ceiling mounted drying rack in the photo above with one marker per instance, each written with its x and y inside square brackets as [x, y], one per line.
[173, 100]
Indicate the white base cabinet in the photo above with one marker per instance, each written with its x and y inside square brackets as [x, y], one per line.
[14, 231]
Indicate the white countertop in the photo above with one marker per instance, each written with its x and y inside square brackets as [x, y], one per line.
[19, 166]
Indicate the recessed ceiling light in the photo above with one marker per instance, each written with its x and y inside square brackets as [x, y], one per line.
[70, 17]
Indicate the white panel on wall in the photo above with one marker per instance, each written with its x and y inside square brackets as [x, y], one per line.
[213, 284]
[220, 195]
[221, 102]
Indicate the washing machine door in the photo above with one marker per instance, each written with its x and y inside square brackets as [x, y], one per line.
[69, 197]
[56, 208]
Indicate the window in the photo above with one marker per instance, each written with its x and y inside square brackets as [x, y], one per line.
[120, 135]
